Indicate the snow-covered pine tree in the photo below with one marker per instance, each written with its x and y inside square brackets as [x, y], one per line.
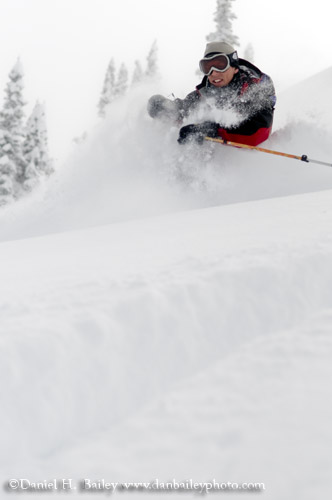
[107, 94]
[8, 170]
[35, 148]
[248, 54]
[12, 164]
[121, 85]
[152, 65]
[137, 74]
[223, 18]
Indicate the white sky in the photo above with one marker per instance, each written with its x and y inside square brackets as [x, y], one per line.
[65, 46]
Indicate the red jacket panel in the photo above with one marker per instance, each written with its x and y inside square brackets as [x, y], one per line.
[254, 139]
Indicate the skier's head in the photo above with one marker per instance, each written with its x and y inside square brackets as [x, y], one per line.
[220, 63]
[217, 48]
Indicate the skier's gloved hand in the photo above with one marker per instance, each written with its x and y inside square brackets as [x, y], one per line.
[161, 107]
[190, 133]
[196, 133]
[156, 105]
[210, 129]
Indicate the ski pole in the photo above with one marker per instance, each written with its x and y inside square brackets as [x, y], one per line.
[270, 151]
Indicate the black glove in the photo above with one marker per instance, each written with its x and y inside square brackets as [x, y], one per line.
[156, 105]
[161, 107]
[196, 133]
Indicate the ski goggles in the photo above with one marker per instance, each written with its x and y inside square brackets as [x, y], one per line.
[219, 62]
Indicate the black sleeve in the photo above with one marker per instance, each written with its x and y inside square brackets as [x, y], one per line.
[189, 103]
[255, 107]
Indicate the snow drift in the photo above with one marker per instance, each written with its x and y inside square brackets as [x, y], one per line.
[178, 324]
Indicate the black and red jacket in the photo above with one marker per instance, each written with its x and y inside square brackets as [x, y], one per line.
[250, 95]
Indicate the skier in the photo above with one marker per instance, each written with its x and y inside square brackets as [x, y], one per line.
[235, 100]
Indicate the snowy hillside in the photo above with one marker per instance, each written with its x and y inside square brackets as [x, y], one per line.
[166, 314]
[131, 167]
[308, 101]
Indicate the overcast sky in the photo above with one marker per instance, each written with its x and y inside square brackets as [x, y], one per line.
[65, 46]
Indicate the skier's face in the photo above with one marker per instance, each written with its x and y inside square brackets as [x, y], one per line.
[222, 78]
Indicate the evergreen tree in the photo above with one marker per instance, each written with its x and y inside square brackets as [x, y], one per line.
[249, 53]
[152, 66]
[35, 148]
[223, 18]
[8, 171]
[107, 94]
[138, 73]
[121, 86]
[12, 164]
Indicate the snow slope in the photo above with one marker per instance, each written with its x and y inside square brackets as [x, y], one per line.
[132, 167]
[177, 323]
